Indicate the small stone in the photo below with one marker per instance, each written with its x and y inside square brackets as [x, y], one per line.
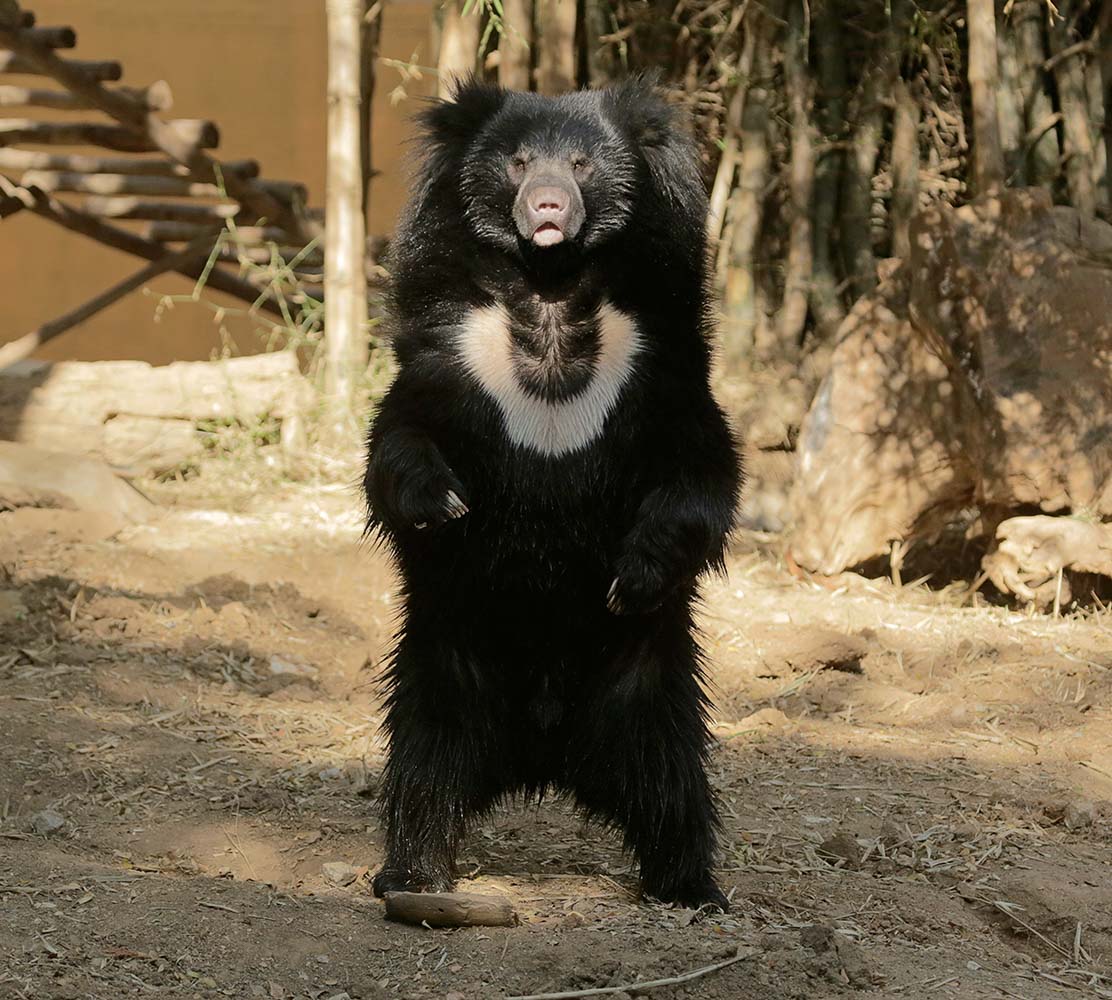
[770, 718]
[1079, 814]
[12, 607]
[339, 873]
[207, 982]
[46, 822]
[574, 919]
[282, 667]
[816, 937]
[841, 847]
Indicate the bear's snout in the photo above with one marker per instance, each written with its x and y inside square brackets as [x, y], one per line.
[548, 209]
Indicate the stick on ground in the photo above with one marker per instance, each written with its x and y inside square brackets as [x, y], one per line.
[450, 909]
[638, 987]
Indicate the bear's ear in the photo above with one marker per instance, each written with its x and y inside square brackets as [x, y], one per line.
[452, 124]
[661, 133]
[636, 107]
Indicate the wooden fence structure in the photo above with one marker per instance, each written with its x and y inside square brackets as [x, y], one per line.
[151, 186]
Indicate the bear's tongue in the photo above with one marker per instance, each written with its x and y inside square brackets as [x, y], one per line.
[548, 234]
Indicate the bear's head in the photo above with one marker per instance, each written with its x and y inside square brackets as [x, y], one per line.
[548, 177]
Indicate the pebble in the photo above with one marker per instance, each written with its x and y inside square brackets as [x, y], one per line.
[339, 873]
[46, 822]
[1079, 814]
[842, 847]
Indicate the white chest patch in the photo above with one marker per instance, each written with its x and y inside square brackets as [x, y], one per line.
[557, 427]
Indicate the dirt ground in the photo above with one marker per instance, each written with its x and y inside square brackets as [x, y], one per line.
[914, 786]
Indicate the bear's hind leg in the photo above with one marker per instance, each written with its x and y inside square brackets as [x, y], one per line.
[639, 762]
[441, 771]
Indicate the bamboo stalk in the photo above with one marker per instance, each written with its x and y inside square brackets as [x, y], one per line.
[459, 46]
[81, 222]
[727, 164]
[345, 281]
[800, 261]
[25, 346]
[905, 167]
[93, 71]
[555, 44]
[830, 113]
[111, 184]
[182, 232]
[13, 131]
[25, 159]
[157, 211]
[739, 304]
[1043, 156]
[868, 116]
[1069, 75]
[984, 83]
[516, 43]
[370, 35]
[603, 65]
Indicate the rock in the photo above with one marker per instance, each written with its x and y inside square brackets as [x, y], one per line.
[1079, 814]
[46, 822]
[12, 607]
[31, 477]
[340, 874]
[573, 919]
[281, 667]
[816, 937]
[841, 849]
[976, 374]
[766, 718]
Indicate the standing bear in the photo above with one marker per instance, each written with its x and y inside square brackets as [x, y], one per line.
[552, 475]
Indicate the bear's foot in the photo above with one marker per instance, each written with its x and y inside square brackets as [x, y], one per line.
[697, 894]
[404, 880]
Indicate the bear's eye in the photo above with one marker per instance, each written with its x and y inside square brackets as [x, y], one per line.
[580, 165]
[517, 165]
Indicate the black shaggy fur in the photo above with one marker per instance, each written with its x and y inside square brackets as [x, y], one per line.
[547, 639]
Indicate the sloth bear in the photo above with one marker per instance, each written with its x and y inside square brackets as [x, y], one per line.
[552, 474]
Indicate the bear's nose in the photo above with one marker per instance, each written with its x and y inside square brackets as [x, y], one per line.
[549, 204]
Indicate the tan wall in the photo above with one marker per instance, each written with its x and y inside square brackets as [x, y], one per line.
[257, 68]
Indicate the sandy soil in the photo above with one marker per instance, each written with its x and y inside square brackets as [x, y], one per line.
[914, 791]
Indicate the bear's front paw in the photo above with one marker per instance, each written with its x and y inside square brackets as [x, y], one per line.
[451, 508]
[639, 587]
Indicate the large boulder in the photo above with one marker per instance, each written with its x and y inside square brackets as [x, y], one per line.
[979, 374]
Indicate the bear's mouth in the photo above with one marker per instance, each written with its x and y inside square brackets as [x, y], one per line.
[547, 234]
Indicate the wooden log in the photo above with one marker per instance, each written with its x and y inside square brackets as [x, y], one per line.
[52, 38]
[92, 71]
[26, 345]
[450, 909]
[110, 184]
[14, 131]
[182, 232]
[164, 135]
[120, 239]
[157, 211]
[555, 46]
[156, 97]
[9, 205]
[26, 159]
